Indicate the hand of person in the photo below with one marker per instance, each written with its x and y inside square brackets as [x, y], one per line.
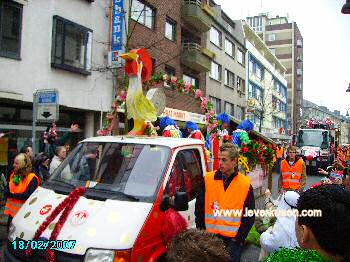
[322, 172]
[74, 127]
[7, 192]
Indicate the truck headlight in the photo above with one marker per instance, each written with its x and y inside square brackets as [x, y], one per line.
[11, 234]
[103, 255]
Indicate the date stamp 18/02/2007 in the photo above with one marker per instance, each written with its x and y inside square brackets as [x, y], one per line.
[43, 244]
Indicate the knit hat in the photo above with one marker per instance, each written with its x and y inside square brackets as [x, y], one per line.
[246, 125]
[166, 121]
[191, 125]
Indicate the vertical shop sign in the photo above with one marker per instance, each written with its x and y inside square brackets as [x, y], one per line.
[116, 31]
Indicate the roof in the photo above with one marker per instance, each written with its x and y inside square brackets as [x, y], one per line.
[158, 140]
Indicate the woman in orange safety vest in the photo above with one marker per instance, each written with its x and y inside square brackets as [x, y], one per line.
[22, 184]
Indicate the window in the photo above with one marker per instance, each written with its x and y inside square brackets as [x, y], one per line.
[273, 50]
[142, 14]
[239, 113]
[229, 47]
[186, 174]
[271, 37]
[229, 79]
[189, 79]
[170, 71]
[240, 84]
[170, 29]
[229, 108]
[240, 56]
[215, 72]
[256, 68]
[215, 36]
[71, 46]
[10, 29]
[216, 103]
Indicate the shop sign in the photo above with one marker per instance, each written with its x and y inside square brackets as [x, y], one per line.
[116, 32]
[184, 115]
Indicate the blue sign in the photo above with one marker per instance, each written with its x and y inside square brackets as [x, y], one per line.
[47, 98]
[117, 22]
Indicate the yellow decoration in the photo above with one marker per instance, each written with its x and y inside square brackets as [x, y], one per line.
[243, 161]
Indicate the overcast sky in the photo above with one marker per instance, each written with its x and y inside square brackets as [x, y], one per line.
[326, 34]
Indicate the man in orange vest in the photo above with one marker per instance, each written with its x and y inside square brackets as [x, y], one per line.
[22, 184]
[279, 157]
[226, 190]
[293, 172]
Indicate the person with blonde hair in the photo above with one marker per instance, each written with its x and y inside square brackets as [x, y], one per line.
[22, 184]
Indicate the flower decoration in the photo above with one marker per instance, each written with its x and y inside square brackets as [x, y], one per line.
[109, 122]
[257, 152]
[295, 255]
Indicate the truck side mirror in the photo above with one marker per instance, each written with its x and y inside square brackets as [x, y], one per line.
[164, 203]
[181, 201]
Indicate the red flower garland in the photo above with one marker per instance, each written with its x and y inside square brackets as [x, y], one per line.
[66, 206]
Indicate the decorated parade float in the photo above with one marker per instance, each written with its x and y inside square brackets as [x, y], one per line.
[139, 191]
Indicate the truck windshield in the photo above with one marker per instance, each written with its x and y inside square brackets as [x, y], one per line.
[114, 170]
[314, 138]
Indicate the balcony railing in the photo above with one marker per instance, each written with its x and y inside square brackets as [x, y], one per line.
[193, 57]
[193, 14]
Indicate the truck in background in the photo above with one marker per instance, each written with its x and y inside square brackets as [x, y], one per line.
[317, 143]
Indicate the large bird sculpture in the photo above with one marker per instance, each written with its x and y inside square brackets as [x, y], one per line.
[138, 67]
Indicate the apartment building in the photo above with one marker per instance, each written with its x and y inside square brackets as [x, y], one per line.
[285, 41]
[226, 79]
[174, 32]
[47, 44]
[267, 94]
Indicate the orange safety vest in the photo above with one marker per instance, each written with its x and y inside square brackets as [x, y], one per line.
[231, 199]
[12, 204]
[291, 176]
[279, 152]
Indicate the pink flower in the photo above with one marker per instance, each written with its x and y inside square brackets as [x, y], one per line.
[188, 87]
[212, 112]
[123, 94]
[114, 105]
[165, 77]
[173, 79]
[100, 132]
[198, 93]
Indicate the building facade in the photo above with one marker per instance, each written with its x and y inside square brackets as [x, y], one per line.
[285, 41]
[174, 32]
[320, 113]
[226, 79]
[267, 94]
[60, 45]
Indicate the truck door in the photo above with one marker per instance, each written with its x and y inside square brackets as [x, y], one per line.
[186, 175]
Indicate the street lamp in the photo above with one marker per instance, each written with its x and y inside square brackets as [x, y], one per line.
[347, 112]
[346, 8]
[348, 90]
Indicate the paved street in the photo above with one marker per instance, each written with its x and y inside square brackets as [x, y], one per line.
[250, 252]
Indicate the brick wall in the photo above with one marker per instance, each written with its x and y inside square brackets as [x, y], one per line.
[165, 51]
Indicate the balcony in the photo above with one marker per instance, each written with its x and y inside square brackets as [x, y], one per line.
[279, 42]
[193, 13]
[195, 57]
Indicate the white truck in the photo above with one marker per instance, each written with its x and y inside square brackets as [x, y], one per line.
[316, 146]
[129, 182]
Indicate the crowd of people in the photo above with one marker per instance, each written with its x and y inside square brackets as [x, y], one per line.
[30, 170]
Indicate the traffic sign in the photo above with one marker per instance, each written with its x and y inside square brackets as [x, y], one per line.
[47, 106]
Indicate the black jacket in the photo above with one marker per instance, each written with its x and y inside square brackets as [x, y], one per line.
[247, 222]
